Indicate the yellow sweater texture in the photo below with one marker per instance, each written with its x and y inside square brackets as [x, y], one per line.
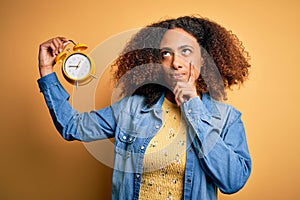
[165, 158]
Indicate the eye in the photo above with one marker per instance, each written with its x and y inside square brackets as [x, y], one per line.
[186, 52]
[165, 54]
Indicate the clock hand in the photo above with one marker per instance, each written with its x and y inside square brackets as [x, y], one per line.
[78, 65]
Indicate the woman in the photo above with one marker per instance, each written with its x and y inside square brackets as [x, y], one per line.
[174, 138]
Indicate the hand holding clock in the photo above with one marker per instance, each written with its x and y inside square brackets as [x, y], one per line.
[77, 67]
[47, 53]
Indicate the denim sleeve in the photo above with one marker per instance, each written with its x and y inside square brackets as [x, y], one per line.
[223, 153]
[72, 125]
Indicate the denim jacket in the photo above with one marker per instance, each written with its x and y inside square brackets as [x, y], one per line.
[217, 154]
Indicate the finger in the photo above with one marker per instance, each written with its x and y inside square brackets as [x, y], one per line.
[63, 39]
[45, 45]
[57, 43]
[179, 88]
[178, 93]
[179, 98]
[64, 42]
[60, 43]
[52, 49]
[183, 91]
[192, 74]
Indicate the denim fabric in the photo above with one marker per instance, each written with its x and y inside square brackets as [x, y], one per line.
[217, 151]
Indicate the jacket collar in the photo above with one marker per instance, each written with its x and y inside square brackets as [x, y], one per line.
[156, 107]
[211, 106]
[209, 103]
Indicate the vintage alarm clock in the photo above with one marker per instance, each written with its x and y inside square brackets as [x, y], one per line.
[77, 66]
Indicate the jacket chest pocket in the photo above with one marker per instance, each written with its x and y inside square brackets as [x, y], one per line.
[124, 144]
[133, 130]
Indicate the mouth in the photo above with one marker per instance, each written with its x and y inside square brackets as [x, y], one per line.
[178, 75]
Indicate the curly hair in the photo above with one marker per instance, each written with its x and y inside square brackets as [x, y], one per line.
[138, 66]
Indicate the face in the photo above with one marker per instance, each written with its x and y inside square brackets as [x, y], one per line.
[179, 50]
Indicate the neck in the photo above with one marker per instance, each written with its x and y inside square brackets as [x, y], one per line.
[170, 96]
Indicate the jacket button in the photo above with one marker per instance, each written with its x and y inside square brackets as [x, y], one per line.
[142, 147]
[138, 176]
[189, 111]
[157, 126]
[124, 137]
[189, 180]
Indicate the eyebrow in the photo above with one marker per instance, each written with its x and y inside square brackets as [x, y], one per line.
[181, 47]
[185, 46]
[166, 48]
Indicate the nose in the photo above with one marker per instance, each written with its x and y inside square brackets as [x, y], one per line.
[177, 62]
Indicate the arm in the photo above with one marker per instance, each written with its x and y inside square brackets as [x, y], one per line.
[222, 150]
[223, 154]
[71, 124]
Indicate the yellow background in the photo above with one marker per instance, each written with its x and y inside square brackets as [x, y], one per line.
[37, 164]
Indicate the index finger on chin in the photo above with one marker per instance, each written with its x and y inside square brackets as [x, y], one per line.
[192, 74]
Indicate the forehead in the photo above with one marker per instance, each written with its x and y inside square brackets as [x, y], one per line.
[178, 37]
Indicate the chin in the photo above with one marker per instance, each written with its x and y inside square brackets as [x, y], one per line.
[172, 82]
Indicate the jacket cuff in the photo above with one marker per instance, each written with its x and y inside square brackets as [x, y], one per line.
[195, 109]
[48, 81]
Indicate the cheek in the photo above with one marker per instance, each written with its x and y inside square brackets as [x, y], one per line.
[166, 64]
[198, 62]
[166, 72]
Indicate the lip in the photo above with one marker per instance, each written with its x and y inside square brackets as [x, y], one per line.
[178, 75]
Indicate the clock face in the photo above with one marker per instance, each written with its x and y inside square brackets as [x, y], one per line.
[77, 66]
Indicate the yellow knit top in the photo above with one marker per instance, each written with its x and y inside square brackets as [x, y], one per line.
[165, 158]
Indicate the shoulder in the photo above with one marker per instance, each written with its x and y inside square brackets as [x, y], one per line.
[129, 104]
[222, 110]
